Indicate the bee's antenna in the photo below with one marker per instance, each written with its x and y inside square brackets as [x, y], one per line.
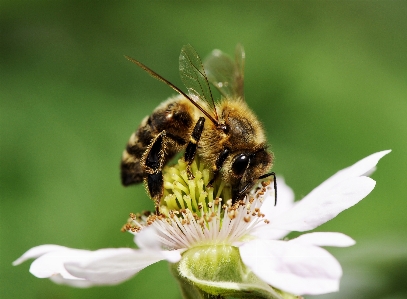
[274, 181]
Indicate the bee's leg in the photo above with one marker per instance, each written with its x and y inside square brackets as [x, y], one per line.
[153, 161]
[193, 144]
[218, 165]
[155, 186]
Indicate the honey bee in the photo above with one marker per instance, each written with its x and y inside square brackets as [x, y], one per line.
[225, 133]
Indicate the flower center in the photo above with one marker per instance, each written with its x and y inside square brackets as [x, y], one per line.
[195, 214]
[195, 195]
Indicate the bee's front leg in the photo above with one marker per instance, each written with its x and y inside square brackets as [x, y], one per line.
[193, 144]
[218, 165]
[153, 161]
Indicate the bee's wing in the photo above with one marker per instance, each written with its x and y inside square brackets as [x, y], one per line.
[225, 74]
[194, 78]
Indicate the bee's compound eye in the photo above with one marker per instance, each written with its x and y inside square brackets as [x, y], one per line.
[240, 164]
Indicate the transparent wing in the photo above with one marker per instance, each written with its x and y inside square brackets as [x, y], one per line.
[225, 74]
[194, 78]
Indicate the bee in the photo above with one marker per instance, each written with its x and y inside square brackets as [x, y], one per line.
[225, 133]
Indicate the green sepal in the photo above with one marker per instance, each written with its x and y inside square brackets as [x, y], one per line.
[217, 271]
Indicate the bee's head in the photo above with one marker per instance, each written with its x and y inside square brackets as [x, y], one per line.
[246, 169]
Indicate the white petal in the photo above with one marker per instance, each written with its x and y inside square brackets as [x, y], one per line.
[340, 192]
[325, 239]
[77, 283]
[363, 167]
[54, 263]
[268, 233]
[147, 239]
[285, 201]
[313, 211]
[83, 268]
[37, 252]
[293, 267]
[112, 266]
[172, 256]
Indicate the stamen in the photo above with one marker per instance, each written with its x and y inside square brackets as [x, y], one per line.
[192, 214]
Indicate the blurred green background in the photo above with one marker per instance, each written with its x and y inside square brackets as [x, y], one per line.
[328, 80]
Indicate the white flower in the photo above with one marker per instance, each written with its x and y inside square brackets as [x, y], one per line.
[253, 229]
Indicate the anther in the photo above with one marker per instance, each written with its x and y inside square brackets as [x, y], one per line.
[265, 183]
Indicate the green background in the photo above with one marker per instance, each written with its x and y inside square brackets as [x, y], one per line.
[328, 80]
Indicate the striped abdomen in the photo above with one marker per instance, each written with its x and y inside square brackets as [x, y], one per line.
[175, 116]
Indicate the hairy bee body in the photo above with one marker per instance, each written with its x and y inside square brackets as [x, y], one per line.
[177, 117]
[225, 134]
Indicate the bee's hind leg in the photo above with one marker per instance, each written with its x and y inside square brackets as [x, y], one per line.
[190, 150]
[153, 161]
